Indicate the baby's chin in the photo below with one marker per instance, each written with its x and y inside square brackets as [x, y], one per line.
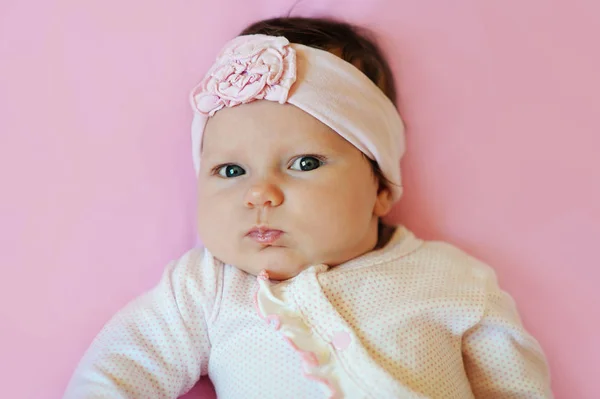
[281, 275]
[279, 272]
[280, 264]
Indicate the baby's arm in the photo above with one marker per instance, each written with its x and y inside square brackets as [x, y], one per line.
[501, 359]
[157, 346]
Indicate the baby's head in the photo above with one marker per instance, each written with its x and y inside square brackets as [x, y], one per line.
[296, 149]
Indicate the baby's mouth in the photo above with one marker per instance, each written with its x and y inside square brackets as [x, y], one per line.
[264, 235]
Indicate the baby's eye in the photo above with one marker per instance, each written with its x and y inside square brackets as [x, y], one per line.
[231, 171]
[306, 163]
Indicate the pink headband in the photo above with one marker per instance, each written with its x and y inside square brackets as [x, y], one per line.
[257, 67]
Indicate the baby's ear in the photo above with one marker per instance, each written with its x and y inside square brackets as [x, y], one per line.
[383, 204]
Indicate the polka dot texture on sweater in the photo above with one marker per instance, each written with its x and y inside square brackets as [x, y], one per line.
[423, 320]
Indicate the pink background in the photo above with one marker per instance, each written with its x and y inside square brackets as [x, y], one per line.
[501, 101]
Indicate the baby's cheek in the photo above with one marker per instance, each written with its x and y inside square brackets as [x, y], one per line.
[208, 226]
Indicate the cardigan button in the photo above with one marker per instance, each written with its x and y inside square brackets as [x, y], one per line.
[341, 340]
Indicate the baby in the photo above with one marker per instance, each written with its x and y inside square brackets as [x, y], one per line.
[301, 291]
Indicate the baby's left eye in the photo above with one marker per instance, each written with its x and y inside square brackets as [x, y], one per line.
[306, 163]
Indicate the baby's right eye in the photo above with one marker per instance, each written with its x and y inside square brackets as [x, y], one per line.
[230, 170]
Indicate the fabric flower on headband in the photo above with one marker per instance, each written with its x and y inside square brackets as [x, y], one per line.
[250, 68]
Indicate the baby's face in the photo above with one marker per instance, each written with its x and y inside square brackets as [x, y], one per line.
[280, 191]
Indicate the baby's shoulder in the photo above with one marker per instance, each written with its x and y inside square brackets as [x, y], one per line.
[437, 265]
[450, 263]
[193, 261]
[196, 271]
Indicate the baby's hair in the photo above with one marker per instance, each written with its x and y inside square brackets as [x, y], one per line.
[349, 42]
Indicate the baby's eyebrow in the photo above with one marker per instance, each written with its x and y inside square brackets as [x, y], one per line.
[222, 154]
[311, 147]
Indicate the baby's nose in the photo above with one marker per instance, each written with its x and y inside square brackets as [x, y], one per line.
[263, 194]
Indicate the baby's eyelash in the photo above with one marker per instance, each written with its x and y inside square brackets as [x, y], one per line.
[216, 169]
[321, 158]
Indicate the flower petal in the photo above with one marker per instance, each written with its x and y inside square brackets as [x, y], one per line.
[249, 68]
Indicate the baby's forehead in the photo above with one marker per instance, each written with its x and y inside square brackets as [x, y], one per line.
[269, 124]
[264, 115]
